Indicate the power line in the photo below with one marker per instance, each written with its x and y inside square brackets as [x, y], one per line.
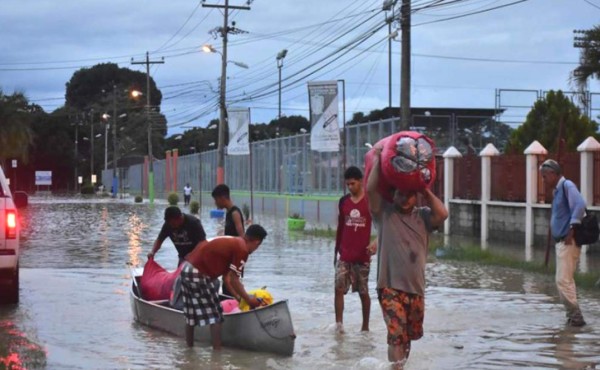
[592, 4]
[180, 28]
[471, 13]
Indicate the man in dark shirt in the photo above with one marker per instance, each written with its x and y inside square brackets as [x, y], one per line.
[234, 220]
[185, 231]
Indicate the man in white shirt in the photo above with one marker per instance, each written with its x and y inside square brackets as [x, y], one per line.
[187, 194]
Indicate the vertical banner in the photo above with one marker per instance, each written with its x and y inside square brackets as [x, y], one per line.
[323, 106]
[238, 120]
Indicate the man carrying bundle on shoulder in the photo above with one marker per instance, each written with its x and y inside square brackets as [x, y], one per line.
[403, 237]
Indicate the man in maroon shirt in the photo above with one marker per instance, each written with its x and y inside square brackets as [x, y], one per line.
[222, 256]
[352, 244]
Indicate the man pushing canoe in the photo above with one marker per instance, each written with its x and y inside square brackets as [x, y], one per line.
[222, 256]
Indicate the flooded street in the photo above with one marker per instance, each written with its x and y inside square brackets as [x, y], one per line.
[74, 311]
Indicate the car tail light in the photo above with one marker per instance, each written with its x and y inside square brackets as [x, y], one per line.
[11, 224]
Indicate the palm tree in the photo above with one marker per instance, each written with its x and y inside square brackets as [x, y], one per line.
[15, 133]
[589, 57]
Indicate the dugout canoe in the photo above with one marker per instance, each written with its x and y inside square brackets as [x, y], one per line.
[265, 329]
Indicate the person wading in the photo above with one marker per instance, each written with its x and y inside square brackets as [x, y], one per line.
[222, 256]
[403, 240]
[234, 220]
[352, 244]
[568, 208]
[185, 231]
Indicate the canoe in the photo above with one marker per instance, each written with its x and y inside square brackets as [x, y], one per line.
[264, 329]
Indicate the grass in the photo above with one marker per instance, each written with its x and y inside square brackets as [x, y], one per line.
[323, 233]
[475, 254]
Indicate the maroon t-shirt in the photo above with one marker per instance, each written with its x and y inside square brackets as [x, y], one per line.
[354, 230]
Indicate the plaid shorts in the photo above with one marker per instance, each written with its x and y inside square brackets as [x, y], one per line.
[352, 274]
[403, 314]
[201, 304]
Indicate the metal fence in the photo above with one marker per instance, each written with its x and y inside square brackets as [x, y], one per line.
[287, 165]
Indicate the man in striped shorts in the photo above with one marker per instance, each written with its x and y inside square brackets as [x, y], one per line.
[222, 256]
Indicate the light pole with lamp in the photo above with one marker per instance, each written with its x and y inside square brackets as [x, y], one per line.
[222, 109]
[280, 56]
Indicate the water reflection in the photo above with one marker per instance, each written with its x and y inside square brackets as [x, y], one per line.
[74, 303]
[16, 350]
[135, 230]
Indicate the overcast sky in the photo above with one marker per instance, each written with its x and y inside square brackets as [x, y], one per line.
[456, 63]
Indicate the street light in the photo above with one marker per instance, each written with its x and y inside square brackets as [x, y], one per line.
[207, 48]
[280, 56]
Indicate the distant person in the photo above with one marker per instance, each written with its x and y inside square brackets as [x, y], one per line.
[222, 256]
[187, 194]
[403, 236]
[185, 231]
[234, 219]
[352, 243]
[568, 208]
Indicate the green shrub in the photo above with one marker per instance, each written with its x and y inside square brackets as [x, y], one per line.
[246, 211]
[139, 199]
[173, 198]
[296, 216]
[194, 207]
[88, 189]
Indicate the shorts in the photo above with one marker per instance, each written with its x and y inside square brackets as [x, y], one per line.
[403, 314]
[201, 304]
[352, 274]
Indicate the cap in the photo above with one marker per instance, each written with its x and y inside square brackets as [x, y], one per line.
[551, 165]
[172, 212]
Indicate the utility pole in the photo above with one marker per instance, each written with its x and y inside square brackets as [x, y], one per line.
[92, 144]
[222, 91]
[148, 62]
[388, 6]
[280, 56]
[405, 65]
[115, 182]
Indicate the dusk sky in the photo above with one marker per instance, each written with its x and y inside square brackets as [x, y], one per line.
[456, 63]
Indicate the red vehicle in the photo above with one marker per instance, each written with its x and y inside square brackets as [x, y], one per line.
[9, 244]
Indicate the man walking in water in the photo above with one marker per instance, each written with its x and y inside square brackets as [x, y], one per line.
[234, 220]
[403, 236]
[187, 194]
[352, 245]
[568, 208]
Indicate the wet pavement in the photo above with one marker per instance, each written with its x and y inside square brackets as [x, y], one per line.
[75, 314]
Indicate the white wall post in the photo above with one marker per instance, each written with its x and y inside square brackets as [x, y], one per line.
[586, 150]
[449, 156]
[531, 192]
[486, 188]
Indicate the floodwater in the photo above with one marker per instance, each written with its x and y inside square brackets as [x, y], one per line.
[75, 314]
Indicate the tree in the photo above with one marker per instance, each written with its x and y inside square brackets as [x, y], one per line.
[543, 124]
[93, 89]
[589, 57]
[15, 132]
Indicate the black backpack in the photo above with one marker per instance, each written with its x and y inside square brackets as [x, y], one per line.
[587, 232]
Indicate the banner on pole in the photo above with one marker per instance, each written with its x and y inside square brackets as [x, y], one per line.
[239, 126]
[323, 106]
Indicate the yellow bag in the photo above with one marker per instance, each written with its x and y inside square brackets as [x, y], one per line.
[262, 294]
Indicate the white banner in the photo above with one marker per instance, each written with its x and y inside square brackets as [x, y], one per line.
[43, 177]
[323, 105]
[239, 123]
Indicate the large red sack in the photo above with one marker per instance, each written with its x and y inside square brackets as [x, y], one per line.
[156, 282]
[407, 163]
